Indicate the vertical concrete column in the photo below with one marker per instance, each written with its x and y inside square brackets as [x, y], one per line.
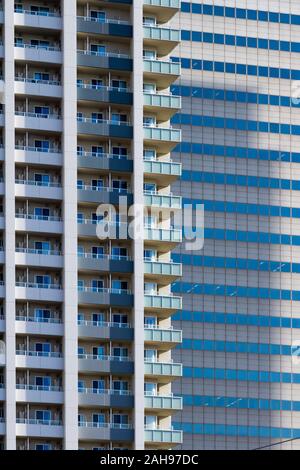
[9, 238]
[70, 224]
[138, 243]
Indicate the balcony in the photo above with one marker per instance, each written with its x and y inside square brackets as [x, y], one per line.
[167, 304]
[36, 87]
[165, 138]
[105, 94]
[39, 360]
[165, 236]
[116, 230]
[105, 432]
[107, 61]
[36, 19]
[168, 270]
[163, 437]
[38, 122]
[162, 9]
[165, 72]
[106, 128]
[39, 292]
[105, 330]
[163, 201]
[121, 365]
[33, 223]
[38, 326]
[29, 53]
[37, 156]
[162, 170]
[104, 27]
[38, 258]
[161, 403]
[39, 428]
[105, 296]
[104, 161]
[39, 394]
[165, 104]
[38, 190]
[105, 263]
[90, 397]
[157, 336]
[164, 371]
[104, 195]
[163, 39]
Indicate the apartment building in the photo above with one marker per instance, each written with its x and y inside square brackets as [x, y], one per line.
[85, 328]
[240, 153]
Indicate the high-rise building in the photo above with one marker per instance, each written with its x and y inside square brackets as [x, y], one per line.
[240, 153]
[86, 334]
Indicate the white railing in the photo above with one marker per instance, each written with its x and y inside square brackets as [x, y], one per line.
[105, 189]
[38, 320]
[37, 149]
[86, 424]
[98, 391]
[47, 218]
[34, 251]
[103, 121]
[103, 20]
[103, 54]
[103, 155]
[38, 47]
[104, 256]
[20, 352]
[103, 324]
[96, 357]
[90, 86]
[41, 422]
[45, 184]
[38, 115]
[104, 290]
[34, 285]
[38, 388]
[36, 80]
[51, 14]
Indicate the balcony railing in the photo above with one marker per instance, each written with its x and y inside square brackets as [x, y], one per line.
[104, 290]
[163, 335]
[162, 100]
[162, 133]
[152, 198]
[35, 285]
[105, 358]
[44, 218]
[103, 54]
[110, 392]
[162, 67]
[44, 184]
[162, 268]
[86, 424]
[38, 47]
[103, 121]
[37, 149]
[37, 81]
[33, 251]
[91, 86]
[29, 319]
[163, 3]
[161, 33]
[51, 14]
[103, 324]
[104, 256]
[103, 155]
[163, 301]
[21, 352]
[163, 167]
[38, 115]
[161, 234]
[163, 435]
[102, 20]
[39, 388]
[104, 189]
[41, 422]
[160, 368]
